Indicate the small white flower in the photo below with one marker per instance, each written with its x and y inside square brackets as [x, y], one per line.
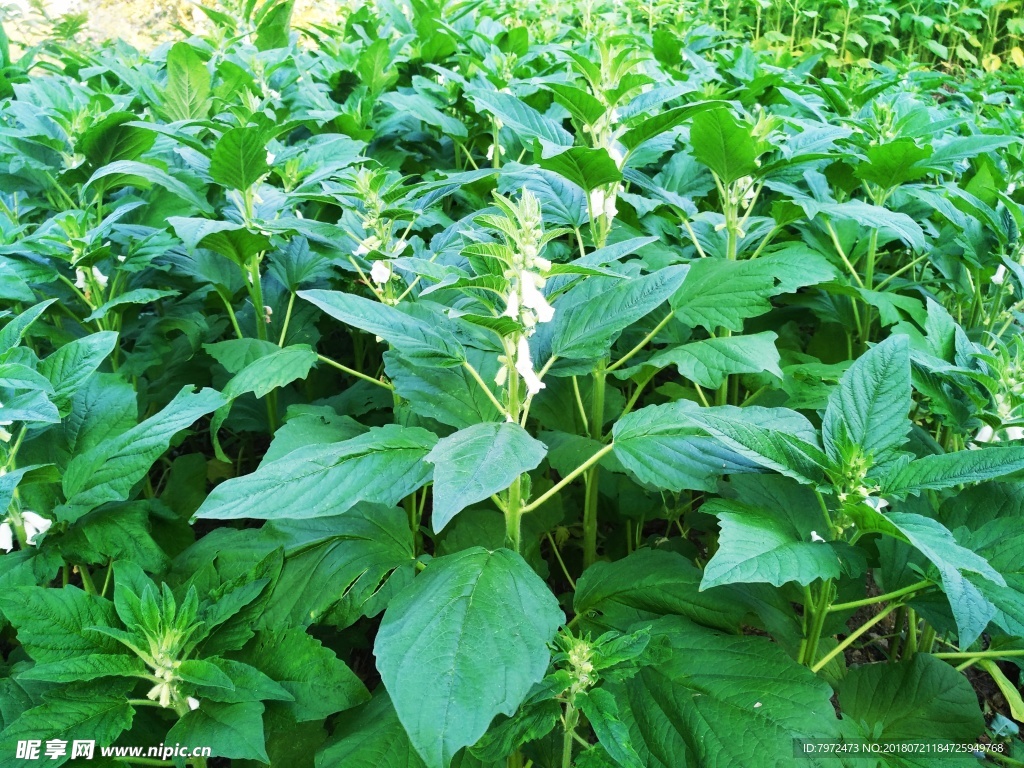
[816, 537]
[1014, 433]
[525, 367]
[99, 277]
[35, 525]
[512, 305]
[530, 284]
[876, 503]
[6, 537]
[1000, 275]
[270, 158]
[985, 435]
[193, 704]
[367, 245]
[616, 154]
[80, 279]
[380, 272]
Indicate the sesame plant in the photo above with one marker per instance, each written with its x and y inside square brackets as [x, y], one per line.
[463, 384]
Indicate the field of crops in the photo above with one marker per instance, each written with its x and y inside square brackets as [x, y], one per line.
[516, 385]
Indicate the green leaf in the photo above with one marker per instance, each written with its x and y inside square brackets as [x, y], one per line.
[721, 700]
[204, 673]
[232, 731]
[448, 395]
[490, 602]
[50, 622]
[948, 470]
[602, 713]
[319, 681]
[664, 449]
[108, 471]
[338, 564]
[652, 126]
[725, 146]
[657, 582]
[89, 666]
[110, 139]
[709, 362]
[893, 163]
[12, 333]
[273, 29]
[247, 684]
[414, 338]
[476, 462]
[233, 241]
[719, 293]
[585, 325]
[134, 296]
[922, 699]
[384, 466]
[762, 545]
[776, 438]
[132, 173]
[73, 363]
[877, 217]
[523, 120]
[239, 158]
[870, 407]
[187, 95]
[370, 737]
[119, 532]
[83, 713]
[586, 167]
[970, 607]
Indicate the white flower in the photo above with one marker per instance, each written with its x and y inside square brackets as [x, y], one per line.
[367, 245]
[985, 435]
[876, 503]
[816, 537]
[512, 305]
[525, 367]
[530, 284]
[1000, 275]
[603, 204]
[35, 525]
[1014, 433]
[380, 272]
[99, 277]
[270, 158]
[616, 154]
[80, 279]
[6, 537]
[192, 703]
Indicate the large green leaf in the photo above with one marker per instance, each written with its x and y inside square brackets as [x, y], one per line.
[370, 737]
[720, 293]
[133, 173]
[187, 95]
[51, 622]
[948, 470]
[523, 120]
[766, 545]
[920, 700]
[585, 326]
[69, 367]
[970, 607]
[664, 449]
[239, 158]
[230, 730]
[448, 395]
[81, 713]
[869, 409]
[108, 471]
[463, 643]
[476, 462]
[384, 466]
[110, 139]
[587, 168]
[893, 163]
[319, 681]
[720, 700]
[710, 361]
[416, 339]
[725, 146]
[656, 582]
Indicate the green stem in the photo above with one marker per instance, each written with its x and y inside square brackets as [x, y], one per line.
[594, 472]
[287, 319]
[487, 390]
[916, 587]
[643, 343]
[980, 655]
[817, 623]
[87, 583]
[571, 719]
[557, 488]
[514, 515]
[851, 638]
[353, 372]
[231, 315]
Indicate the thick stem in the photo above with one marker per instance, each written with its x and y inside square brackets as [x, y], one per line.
[817, 623]
[514, 515]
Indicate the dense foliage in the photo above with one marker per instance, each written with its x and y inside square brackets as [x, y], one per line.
[482, 388]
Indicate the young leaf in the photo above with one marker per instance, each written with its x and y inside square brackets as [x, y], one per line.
[709, 362]
[52, 623]
[187, 95]
[724, 145]
[587, 168]
[476, 462]
[69, 367]
[948, 470]
[491, 602]
[870, 407]
[239, 158]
